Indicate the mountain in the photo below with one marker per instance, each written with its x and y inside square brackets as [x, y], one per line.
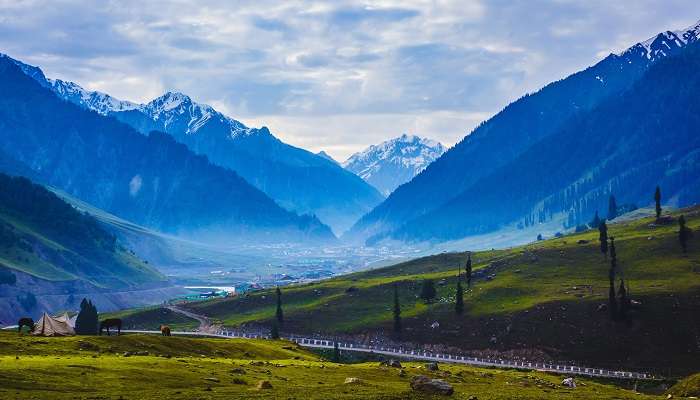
[52, 255]
[502, 140]
[295, 178]
[326, 156]
[151, 180]
[394, 162]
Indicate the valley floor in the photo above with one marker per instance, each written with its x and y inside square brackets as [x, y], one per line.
[155, 367]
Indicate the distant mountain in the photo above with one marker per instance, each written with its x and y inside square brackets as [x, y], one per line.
[394, 162]
[53, 255]
[151, 180]
[528, 129]
[297, 179]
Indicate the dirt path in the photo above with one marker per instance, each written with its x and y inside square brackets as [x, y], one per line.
[205, 324]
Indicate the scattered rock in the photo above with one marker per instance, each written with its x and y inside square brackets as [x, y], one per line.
[569, 382]
[264, 385]
[433, 366]
[239, 371]
[402, 373]
[391, 363]
[434, 386]
[212, 379]
[472, 397]
[239, 381]
[352, 381]
[602, 307]
[83, 345]
[582, 241]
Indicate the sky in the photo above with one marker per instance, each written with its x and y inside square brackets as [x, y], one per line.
[335, 76]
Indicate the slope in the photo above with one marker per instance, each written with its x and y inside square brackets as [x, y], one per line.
[514, 130]
[150, 180]
[539, 301]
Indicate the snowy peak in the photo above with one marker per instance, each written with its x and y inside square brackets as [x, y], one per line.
[102, 103]
[327, 156]
[664, 44]
[394, 162]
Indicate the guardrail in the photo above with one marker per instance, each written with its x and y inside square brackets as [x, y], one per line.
[429, 356]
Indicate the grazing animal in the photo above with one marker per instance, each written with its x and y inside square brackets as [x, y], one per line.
[165, 330]
[25, 322]
[111, 323]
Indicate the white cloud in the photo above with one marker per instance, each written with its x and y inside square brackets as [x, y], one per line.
[353, 73]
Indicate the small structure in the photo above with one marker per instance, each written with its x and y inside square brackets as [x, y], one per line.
[50, 326]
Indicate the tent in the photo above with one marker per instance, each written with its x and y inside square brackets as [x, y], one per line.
[50, 326]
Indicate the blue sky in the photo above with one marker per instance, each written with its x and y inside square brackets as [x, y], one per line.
[335, 76]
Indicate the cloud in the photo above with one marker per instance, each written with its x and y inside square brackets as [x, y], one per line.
[335, 75]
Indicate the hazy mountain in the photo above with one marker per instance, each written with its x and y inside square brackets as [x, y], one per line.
[457, 179]
[394, 162]
[151, 180]
[297, 179]
[326, 156]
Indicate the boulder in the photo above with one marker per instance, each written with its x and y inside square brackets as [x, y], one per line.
[352, 381]
[264, 385]
[424, 384]
[432, 366]
[569, 382]
[391, 363]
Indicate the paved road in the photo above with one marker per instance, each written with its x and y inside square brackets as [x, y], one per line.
[425, 356]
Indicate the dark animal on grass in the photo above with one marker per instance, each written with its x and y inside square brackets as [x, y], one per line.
[25, 322]
[111, 323]
[165, 330]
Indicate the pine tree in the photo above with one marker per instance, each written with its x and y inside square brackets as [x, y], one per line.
[275, 330]
[278, 314]
[603, 238]
[428, 292]
[336, 353]
[596, 221]
[468, 270]
[459, 298]
[624, 302]
[612, 301]
[657, 200]
[397, 313]
[87, 322]
[612, 208]
[684, 233]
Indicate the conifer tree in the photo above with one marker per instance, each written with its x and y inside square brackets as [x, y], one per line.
[624, 302]
[612, 208]
[657, 200]
[397, 313]
[603, 238]
[275, 330]
[428, 292]
[468, 270]
[612, 301]
[279, 314]
[459, 297]
[596, 220]
[87, 322]
[684, 233]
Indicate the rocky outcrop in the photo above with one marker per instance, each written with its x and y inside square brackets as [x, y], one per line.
[422, 383]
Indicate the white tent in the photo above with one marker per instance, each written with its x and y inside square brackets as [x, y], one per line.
[50, 326]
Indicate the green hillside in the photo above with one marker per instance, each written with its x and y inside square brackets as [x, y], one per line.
[155, 367]
[542, 302]
[45, 237]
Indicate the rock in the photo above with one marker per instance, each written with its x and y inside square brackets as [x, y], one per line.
[434, 386]
[264, 385]
[602, 307]
[402, 373]
[569, 382]
[391, 363]
[212, 379]
[472, 397]
[239, 371]
[352, 381]
[582, 241]
[669, 396]
[239, 381]
[432, 366]
[351, 289]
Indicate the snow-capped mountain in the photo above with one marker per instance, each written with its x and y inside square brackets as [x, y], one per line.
[326, 156]
[298, 180]
[394, 162]
[664, 44]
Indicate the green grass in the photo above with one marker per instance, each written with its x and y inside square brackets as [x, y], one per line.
[541, 290]
[188, 368]
[150, 318]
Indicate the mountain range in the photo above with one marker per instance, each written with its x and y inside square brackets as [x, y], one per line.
[394, 162]
[148, 179]
[617, 128]
[296, 179]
